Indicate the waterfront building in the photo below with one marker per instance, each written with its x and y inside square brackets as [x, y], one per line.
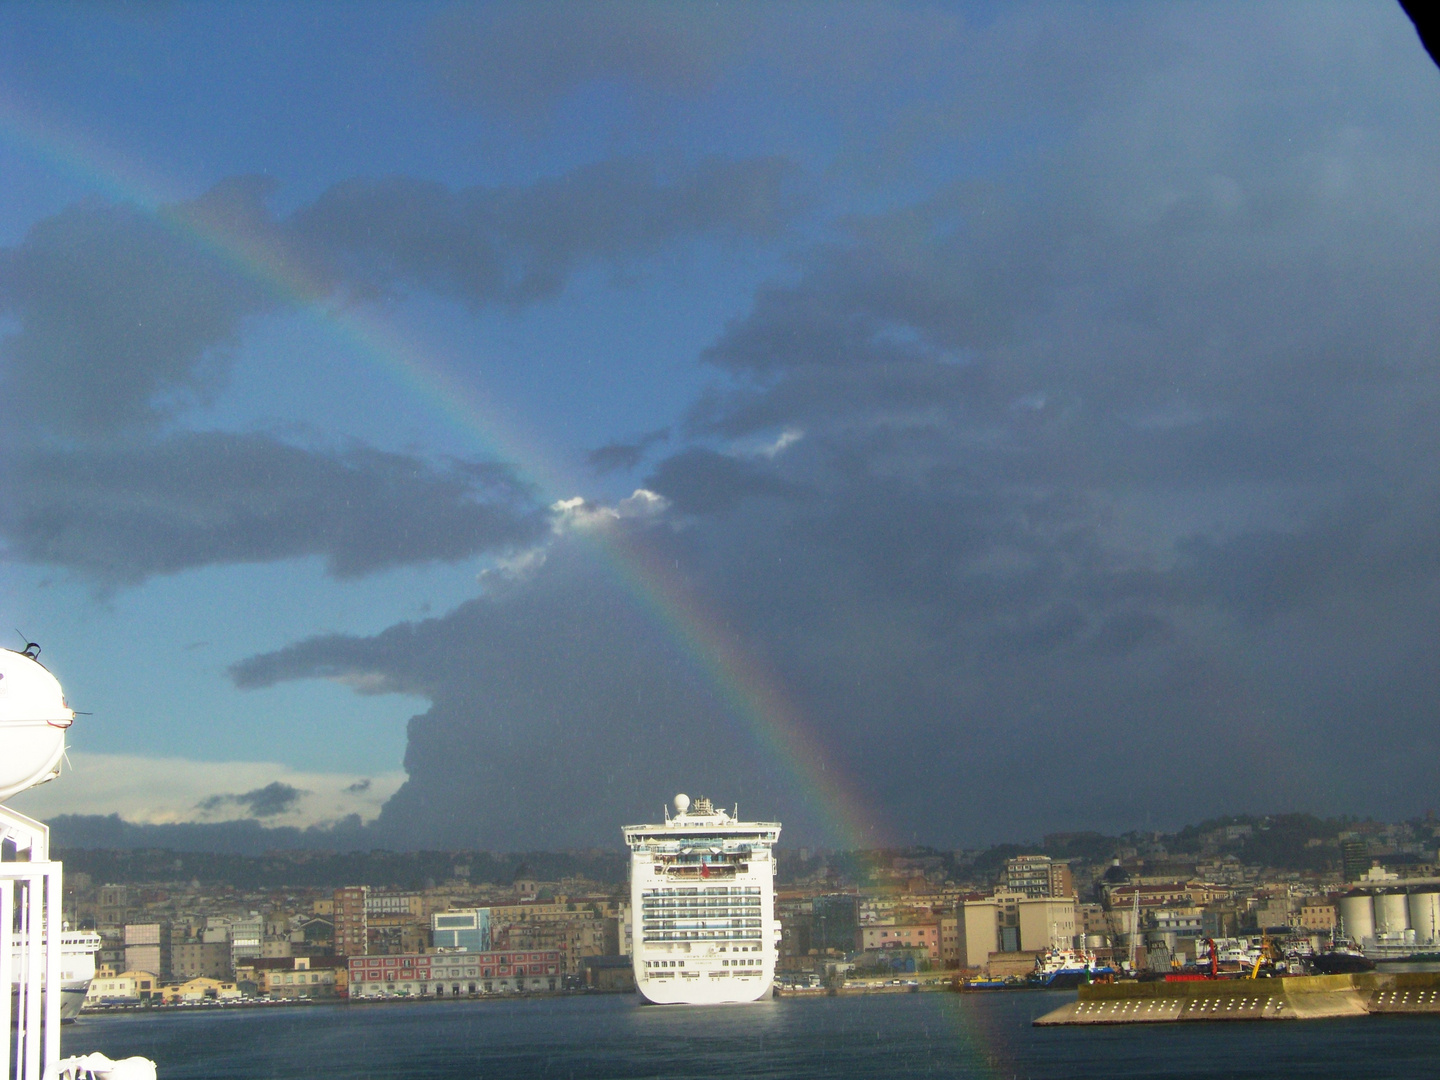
[247, 935]
[703, 886]
[504, 914]
[1046, 923]
[393, 903]
[454, 974]
[1318, 917]
[1355, 858]
[575, 937]
[1038, 875]
[950, 940]
[461, 931]
[297, 976]
[625, 928]
[1179, 921]
[199, 989]
[146, 948]
[122, 988]
[612, 973]
[1167, 894]
[200, 959]
[351, 926]
[835, 922]
[978, 925]
[921, 936]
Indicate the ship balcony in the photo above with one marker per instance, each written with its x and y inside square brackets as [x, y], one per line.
[700, 872]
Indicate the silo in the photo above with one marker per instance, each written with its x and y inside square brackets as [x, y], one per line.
[1358, 915]
[1391, 914]
[1425, 916]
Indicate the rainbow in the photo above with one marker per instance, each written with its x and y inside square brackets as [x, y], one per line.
[753, 694]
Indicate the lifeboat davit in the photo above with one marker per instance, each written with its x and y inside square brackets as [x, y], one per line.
[33, 722]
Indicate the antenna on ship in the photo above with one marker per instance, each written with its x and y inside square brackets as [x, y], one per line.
[32, 648]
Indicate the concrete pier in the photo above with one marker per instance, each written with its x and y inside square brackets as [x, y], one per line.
[1301, 997]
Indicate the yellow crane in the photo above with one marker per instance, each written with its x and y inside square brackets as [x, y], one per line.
[1268, 951]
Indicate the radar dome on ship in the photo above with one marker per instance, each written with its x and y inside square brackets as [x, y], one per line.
[33, 720]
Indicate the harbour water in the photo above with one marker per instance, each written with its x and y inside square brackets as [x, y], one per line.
[982, 1036]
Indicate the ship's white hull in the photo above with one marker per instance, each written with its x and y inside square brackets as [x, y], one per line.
[72, 996]
[704, 991]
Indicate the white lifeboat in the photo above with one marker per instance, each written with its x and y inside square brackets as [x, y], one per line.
[33, 721]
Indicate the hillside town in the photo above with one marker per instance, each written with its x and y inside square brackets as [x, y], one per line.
[847, 919]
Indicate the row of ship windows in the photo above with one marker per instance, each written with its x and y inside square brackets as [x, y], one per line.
[701, 924]
[753, 961]
[712, 890]
[709, 903]
[701, 935]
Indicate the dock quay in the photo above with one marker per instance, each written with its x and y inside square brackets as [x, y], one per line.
[1299, 997]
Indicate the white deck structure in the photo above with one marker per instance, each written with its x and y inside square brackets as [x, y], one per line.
[33, 721]
[702, 889]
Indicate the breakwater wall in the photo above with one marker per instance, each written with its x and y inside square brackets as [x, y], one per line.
[1301, 997]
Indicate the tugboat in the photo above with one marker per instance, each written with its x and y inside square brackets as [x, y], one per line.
[1065, 969]
[1342, 959]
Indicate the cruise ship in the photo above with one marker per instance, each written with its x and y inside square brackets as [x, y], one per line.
[702, 893]
[77, 969]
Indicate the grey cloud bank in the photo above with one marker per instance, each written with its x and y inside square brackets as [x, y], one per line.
[1079, 467]
[1128, 456]
[121, 513]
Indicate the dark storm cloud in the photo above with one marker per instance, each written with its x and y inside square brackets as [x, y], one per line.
[125, 512]
[617, 456]
[559, 710]
[519, 244]
[269, 801]
[123, 317]
[703, 482]
[524, 57]
[1092, 471]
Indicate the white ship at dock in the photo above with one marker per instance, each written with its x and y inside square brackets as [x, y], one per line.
[77, 969]
[702, 889]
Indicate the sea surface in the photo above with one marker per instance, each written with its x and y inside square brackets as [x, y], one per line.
[890, 1035]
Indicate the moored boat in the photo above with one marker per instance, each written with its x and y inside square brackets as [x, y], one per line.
[1063, 969]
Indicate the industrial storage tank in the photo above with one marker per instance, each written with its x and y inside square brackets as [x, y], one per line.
[1357, 912]
[1391, 913]
[33, 719]
[1096, 941]
[1425, 916]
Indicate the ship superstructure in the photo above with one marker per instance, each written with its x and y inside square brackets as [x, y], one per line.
[702, 893]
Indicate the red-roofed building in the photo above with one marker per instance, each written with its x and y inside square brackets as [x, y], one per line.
[455, 974]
